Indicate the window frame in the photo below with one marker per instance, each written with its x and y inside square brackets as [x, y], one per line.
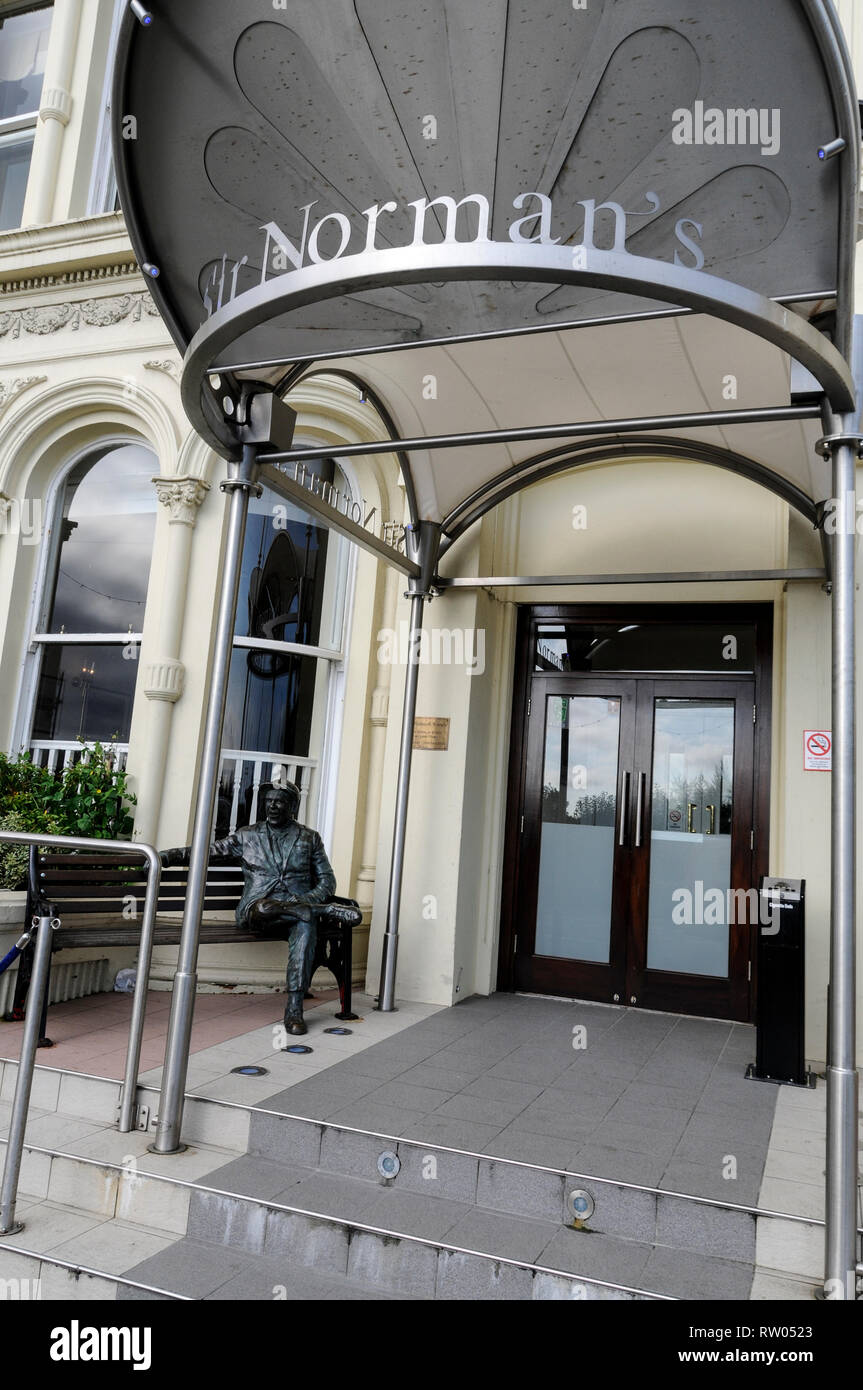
[37, 638]
[26, 120]
[327, 721]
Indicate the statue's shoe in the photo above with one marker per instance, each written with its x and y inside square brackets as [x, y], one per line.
[295, 1026]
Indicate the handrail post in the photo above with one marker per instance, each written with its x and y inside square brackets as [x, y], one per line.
[243, 481]
[129, 1093]
[145, 947]
[45, 925]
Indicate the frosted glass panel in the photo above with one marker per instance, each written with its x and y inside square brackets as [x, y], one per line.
[690, 842]
[579, 810]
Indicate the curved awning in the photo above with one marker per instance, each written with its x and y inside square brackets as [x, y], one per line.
[503, 217]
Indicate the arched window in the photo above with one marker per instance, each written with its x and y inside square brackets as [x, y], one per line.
[289, 639]
[89, 624]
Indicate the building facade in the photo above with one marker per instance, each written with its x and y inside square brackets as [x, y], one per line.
[536, 696]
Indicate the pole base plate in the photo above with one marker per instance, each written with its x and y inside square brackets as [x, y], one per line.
[167, 1153]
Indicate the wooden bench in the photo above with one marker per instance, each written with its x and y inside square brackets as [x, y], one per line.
[84, 886]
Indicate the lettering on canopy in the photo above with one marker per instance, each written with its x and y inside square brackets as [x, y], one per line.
[332, 236]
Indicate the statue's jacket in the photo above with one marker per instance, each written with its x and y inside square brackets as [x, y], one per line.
[278, 863]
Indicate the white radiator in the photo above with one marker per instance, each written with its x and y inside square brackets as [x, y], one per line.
[69, 980]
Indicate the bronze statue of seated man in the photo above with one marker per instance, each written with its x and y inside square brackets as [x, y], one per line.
[286, 873]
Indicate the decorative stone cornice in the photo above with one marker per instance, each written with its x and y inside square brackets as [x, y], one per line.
[5, 508]
[56, 105]
[163, 680]
[84, 276]
[93, 313]
[183, 496]
[10, 389]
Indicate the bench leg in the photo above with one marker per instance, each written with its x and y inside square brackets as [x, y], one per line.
[346, 953]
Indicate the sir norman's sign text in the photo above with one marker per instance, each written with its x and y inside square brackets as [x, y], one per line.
[333, 236]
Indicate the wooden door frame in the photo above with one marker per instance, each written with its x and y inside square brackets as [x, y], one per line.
[759, 614]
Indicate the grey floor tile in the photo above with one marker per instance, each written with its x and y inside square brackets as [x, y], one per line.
[413, 1214]
[191, 1268]
[496, 1233]
[439, 1078]
[386, 1120]
[616, 1134]
[699, 1181]
[407, 1096]
[596, 1256]
[495, 1088]
[520, 1191]
[592, 1106]
[661, 1119]
[525, 1147]
[665, 1097]
[455, 1134]
[689, 1276]
[479, 1109]
[602, 1161]
[255, 1177]
[704, 1229]
[555, 1124]
[330, 1194]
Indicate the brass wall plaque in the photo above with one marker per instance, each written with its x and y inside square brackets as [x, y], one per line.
[431, 732]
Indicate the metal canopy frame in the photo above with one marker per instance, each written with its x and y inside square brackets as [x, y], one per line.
[835, 365]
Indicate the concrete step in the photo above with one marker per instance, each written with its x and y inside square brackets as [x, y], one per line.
[457, 1211]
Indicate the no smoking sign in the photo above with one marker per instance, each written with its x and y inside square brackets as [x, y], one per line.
[817, 750]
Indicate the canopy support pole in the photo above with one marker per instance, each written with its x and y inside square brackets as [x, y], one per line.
[841, 1187]
[240, 484]
[427, 549]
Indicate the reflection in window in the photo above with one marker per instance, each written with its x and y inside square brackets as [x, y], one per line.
[292, 595]
[23, 46]
[108, 523]
[100, 571]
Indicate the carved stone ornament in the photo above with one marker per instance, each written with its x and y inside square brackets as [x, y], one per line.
[10, 389]
[167, 365]
[93, 313]
[163, 680]
[183, 497]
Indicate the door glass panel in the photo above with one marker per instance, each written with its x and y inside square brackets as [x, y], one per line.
[690, 836]
[579, 805]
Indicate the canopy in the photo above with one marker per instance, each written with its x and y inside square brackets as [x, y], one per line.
[503, 201]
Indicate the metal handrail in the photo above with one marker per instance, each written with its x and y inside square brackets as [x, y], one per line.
[39, 990]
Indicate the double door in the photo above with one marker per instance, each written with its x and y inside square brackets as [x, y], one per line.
[635, 880]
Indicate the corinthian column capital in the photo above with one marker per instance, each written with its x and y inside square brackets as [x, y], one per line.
[182, 496]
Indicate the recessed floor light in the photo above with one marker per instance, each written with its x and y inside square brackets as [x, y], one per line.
[297, 1047]
[249, 1071]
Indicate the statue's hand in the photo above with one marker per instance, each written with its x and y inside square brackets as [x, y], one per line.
[268, 907]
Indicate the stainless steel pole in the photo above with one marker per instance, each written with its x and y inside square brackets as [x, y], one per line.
[24, 1082]
[391, 935]
[129, 1092]
[241, 481]
[428, 549]
[841, 1187]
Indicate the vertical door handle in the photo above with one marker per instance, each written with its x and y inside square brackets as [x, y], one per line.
[639, 808]
[624, 810]
[712, 810]
[691, 808]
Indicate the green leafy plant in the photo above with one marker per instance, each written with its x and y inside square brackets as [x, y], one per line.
[90, 798]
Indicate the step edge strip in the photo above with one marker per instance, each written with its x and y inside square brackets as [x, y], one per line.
[44, 1258]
